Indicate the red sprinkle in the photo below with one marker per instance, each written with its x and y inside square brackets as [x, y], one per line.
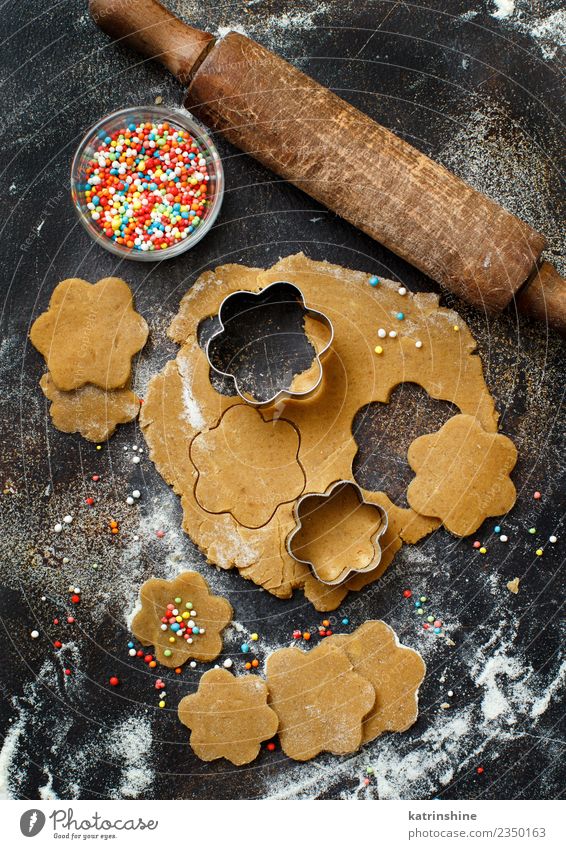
[160, 534]
[271, 747]
[67, 671]
[58, 644]
[70, 619]
[114, 681]
[95, 478]
[407, 593]
[75, 599]
[537, 495]
[479, 770]
[89, 501]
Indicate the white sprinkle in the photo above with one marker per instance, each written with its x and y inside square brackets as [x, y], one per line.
[450, 693]
[65, 559]
[444, 706]
[553, 539]
[58, 528]
[228, 663]
[77, 590]
[382, 333]
[34, 635]
[135, 459]
[129, 500]
[164, 627]
[134, 447]
[192, 664]
[418, 344]
[68, 520]
[44, 598]
[132, 652]
[402, 290]
[392, 334]
[503, 538]
[136, 493]
[202, 631]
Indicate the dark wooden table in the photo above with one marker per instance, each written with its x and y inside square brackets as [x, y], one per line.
[482, 94]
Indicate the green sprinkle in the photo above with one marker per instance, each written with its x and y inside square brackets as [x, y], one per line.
[178, 600]
[532, 530]
[167, 652]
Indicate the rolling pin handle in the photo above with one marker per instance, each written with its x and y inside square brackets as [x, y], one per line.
[149, 28]
[544, 297]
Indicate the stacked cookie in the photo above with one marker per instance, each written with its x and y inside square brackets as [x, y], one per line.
[88, 336]
[342, 694]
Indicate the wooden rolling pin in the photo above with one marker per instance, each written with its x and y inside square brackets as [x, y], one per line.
[339, 156]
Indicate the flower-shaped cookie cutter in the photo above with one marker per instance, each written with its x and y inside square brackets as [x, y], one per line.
[316, 499]
[289, 292]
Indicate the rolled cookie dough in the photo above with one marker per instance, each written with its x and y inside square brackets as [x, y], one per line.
[182, 403]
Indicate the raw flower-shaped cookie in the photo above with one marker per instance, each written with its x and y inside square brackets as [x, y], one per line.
[320, 701]
[395, 671]
[181, 619]
[462, 475]
[228, 717]
[90, 333]
[90, 411]
[247, 466]
[337, 532]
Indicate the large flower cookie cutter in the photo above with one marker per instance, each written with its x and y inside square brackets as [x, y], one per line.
[301, 386]
[322, 539]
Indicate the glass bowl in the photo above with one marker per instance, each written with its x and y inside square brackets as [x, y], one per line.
[118, 121]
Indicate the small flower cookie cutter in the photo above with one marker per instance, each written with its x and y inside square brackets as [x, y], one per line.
[373, 539]
[293, 293]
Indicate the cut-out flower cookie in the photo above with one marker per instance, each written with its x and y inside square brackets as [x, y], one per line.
[90, 333]
[181, 619]
[337, 532]
[228, 717]
[320, 701]
[247, 466]
[90, 411]
[462, 475]
[395, 671]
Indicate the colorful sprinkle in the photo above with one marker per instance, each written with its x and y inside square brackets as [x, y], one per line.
[114, 681]
[400, 316]
[537, 495]
[373, 281]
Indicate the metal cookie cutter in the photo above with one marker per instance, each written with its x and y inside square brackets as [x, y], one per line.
[288, 292]
[307, 506]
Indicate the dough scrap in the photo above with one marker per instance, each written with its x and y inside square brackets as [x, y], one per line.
[181, 403]
[320, 701]
[395, 671]
[462, 475]
[89, 334]
[213, 613]
[228, 717]
[90, 411]
[245, 463]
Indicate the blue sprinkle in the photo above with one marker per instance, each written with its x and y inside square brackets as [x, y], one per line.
[175, 626]
[130, 645]
[245, 648]
[345, 621]
[373, 281]
[497, 529]
[400, 316]
[437, 630]
[418, 604]
[196, 631]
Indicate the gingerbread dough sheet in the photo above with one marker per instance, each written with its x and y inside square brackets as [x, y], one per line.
[181, 404]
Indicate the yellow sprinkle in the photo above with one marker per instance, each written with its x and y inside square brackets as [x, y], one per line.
[483, 550]
[171, 639]
[456, 328]
[98, 447]
[162, 704]
[378, 349]
[539, 552]
[254, 637]
[186, 614]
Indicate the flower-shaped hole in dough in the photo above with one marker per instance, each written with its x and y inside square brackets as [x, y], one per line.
[90, 333]
[247, 466]
[462, 475]
[228, 717]
[181, 619]
[337, 532]
[274, 333]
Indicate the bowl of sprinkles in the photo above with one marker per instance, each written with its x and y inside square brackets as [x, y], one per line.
[147, 182]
